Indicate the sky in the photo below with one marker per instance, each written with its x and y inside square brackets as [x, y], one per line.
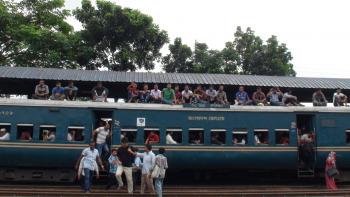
[317, 32]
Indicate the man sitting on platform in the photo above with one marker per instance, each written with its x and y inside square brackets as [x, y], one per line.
[168, 95]
[71, 91]
[99, 93]
[156, 95]
[339, 99]
[41, 91]
[200, 95]
[221, 97]
[187, 95]
[212, 93]
[289, 99]
[318, 98]
[259, 97]
[57, 92]
[242, 97]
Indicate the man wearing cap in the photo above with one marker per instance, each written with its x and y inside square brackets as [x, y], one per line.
[4, 135]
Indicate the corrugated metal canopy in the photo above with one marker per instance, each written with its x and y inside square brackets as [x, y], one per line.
[180, 78]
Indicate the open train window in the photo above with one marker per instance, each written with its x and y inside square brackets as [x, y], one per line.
[261, 136]
[47, 133]
[151, 136]
[347, 136]
[218, 136]
[173, 136]
[25, 132]
[196, 135]
[75, 134]
[240, 136]
[129, 134]
[282, 136]
[5, 130]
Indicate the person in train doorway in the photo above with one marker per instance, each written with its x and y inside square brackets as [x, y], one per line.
[307, 148]
[126, 157]
[101, 134]
[88, 163]
[113, 166]
[331, 171]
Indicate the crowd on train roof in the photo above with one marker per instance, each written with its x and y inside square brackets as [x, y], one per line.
[168, 95]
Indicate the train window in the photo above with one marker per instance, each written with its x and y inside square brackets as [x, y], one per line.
[25, 132]
[240, 136]
[218, 136]
[347, 137]
[196, 135]
[75, 134]
[129, 134]
[5, 130]
[47, 133]
[151, 136]
[261, 136]
[174, 136]
[282, 136]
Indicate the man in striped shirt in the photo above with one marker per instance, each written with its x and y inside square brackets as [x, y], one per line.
[101, 134]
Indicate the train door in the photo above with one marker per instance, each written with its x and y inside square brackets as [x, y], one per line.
[307, 146]
[101, 117]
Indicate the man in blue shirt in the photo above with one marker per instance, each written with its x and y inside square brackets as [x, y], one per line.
[57, 92]
[242, 97]
[113, 165]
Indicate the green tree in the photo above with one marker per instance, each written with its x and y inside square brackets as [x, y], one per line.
[34, 33]
[179, 59]
[207, 61]
[120, 39]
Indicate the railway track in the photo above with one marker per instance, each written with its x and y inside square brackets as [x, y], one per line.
[63, 191]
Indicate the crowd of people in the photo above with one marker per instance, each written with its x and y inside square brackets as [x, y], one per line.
[168, 95]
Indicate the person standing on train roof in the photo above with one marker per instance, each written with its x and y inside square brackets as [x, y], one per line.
[168, 95]
[57, 92]
[242, 97]
[318, 98]
[339, 99]
[113, 166]
[153, 138]
[101, 134]
[156, 95]
[126, 157]
[99, 93]
[71, 91]
[147, 166]
[187, 95]
[89, 157]
[331, 171]
[41, 91]
[4, 135]
[275, 95]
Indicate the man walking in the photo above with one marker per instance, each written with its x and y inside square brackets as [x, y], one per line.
[126, 158]
[147, 166]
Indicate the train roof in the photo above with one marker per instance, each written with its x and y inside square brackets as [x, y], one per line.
[140, 106]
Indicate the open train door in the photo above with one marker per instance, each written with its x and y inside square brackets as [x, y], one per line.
[307, 145]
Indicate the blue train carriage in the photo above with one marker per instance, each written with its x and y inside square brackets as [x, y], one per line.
[207, 138]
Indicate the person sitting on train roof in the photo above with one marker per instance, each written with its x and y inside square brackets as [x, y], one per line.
[243, 141]
[242, 97]
[200, 95]
[133, 93]
[215, 139]
[41, 91]
[275, 95]
[178, 95]
[318, 98]
[259, 97]
[99, 93]
[221, 97]
[289, 99]
[144, 94]
[153, 138]
[212, 93]
[187, 95]
[4, 135]
[168, 95]
[26, 135]
[71, 135]
[101, 134]
[70, 91]
[339, 99]
[57, 92]
[156, 95]
[169, 138]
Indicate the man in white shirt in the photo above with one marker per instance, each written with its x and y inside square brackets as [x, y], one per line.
[339, 99]
[4, 135]
[187, 95]
[90, 156]
[101, 136]
[147, 166]
[211, 92]
[169, 139]
[156, 95]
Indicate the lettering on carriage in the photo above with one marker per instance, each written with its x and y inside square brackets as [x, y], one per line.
[206, 118]
[6, 113]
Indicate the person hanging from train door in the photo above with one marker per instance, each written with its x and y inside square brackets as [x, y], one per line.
[307, 148]
[87, 163]
[101, 134]
[331, 171]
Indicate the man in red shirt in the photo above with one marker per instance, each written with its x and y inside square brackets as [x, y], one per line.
[152, 138]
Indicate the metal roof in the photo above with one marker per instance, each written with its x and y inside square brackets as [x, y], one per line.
[178, 78]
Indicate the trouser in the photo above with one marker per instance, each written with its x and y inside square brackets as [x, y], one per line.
[87, 179]
[102, 147]
[146, 181]
[159, 186]
[111, 180]
[128, 174]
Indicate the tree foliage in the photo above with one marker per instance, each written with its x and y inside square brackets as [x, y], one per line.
[119, 39]
[179, 58]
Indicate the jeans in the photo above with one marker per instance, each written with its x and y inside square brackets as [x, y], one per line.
[128, 174]
[87, 179]
[102, 147]
[159, 186]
